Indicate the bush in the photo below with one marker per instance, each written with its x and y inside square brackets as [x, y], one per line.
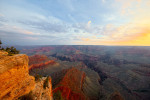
[2, 49]
[0, 43]
[11, 51]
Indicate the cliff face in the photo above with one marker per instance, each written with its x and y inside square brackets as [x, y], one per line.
[39, 61]
[14, 78]
[16, 82]
[71, 85]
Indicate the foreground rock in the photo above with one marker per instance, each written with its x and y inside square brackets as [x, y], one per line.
[14, 78]
[15, 81]
[41, 93]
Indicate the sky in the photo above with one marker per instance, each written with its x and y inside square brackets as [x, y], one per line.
[75, 22]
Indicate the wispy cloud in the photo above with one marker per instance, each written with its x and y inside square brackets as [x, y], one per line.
[129, 34]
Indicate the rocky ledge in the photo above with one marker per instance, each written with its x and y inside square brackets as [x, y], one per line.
[15, 80]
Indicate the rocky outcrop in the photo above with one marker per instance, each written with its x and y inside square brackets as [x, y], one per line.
[15, 81]
[14, 78]
[3, 53]
[39, 61]
[41, 65]
[71, 85]
[41, 93]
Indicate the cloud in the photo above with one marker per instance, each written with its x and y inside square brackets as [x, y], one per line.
[127, 34]
[109, 17]
[85, 39]
[47, 26]
[1, 15]
[87, 28]
[103, 1]
[31, 38]
[16, 29]
[2, 18]
[132, 7]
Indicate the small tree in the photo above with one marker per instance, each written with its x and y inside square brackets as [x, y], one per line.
[11, 51]
[0, 43]
[7, 49]
[2, 49]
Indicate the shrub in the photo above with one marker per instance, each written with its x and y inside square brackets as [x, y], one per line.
[11, 51]
[0, 43]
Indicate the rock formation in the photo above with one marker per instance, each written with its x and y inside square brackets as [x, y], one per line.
[39, 61]
[40, 93]
[14, 78]
[16, 82]
[71, 85]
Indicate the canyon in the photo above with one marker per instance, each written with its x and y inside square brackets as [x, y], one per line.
[111, 72]
[76, 73]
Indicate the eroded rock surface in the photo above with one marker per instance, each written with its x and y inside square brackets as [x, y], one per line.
[40, 93]
[15, 80]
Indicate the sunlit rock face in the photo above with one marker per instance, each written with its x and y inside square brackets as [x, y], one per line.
[40, 93]
[3, 53]
[14, 78]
